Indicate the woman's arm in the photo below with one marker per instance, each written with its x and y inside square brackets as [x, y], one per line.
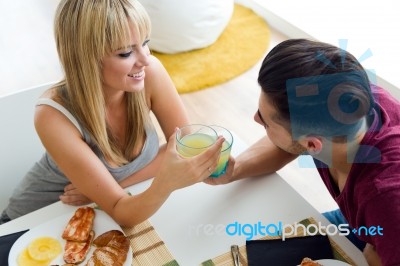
[163, 99]
[146, 172]
[88, 174]
[175, 173]
[73, 196]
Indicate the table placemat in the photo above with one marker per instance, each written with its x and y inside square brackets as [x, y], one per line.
[147, 247]
[226, 258]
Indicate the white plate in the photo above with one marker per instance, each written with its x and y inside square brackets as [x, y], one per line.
[329, 262]
[54, 228]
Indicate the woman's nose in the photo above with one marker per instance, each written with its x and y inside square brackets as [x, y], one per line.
[143, 55]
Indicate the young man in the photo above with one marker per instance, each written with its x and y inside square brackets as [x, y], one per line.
[317, 99]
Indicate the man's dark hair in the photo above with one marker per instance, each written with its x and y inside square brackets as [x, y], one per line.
[316, 88]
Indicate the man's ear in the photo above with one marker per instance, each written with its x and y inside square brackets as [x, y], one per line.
[313, 144]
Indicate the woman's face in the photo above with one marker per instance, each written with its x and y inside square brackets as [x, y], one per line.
[124, 69]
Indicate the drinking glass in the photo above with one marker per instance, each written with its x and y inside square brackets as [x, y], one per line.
[225, 150]
[194, 139]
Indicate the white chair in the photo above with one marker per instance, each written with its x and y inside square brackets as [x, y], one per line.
[180, 26]
[20, 147]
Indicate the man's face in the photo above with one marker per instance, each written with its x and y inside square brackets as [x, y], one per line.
[275, 131]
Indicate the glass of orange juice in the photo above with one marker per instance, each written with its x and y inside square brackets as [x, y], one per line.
[225, 150]
[194, 139]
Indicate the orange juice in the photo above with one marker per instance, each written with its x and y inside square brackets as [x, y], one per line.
[193, 144]
[223, 159]
[225, 150]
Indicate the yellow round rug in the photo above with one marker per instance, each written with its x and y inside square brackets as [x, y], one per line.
[240, 46]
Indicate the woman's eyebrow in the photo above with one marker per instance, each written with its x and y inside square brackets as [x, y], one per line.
[129, 46]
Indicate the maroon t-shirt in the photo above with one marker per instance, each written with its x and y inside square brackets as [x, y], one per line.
[371, 195]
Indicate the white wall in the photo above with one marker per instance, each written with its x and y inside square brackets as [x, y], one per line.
[28, 55]
[373, 25]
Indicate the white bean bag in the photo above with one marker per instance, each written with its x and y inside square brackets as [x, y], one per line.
[184, 25]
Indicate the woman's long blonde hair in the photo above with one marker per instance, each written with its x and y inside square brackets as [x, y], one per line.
[85, 32]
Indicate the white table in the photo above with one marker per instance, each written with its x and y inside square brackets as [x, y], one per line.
[192, 221]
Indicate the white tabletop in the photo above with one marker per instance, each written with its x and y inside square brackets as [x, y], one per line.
[192, 221]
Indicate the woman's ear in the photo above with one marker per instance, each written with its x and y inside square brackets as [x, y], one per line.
[313, 144]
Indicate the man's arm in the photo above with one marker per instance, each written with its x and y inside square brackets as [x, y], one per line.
[261, 158]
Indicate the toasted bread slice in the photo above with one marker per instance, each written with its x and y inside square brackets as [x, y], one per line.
[103, 239]
[111, 246]
[102, 257]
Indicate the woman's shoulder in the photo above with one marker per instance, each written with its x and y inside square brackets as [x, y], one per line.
[44, 104]
[50, 113]
[157, 81]
[156, 75]
[155, 66]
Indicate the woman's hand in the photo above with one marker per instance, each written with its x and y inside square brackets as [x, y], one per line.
[177, 172]
[225, 178]
[72, 196]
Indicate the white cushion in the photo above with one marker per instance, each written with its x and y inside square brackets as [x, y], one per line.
[183, 25]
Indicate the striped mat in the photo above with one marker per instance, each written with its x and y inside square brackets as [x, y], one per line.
[226, 258]
[148, 248]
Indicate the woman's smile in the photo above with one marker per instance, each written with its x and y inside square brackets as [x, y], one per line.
[138, 75]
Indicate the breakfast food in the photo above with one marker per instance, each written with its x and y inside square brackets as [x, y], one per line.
[79, 235]
[25, 260]
[44, 248]
[109, 248]
[75, 252]
[41, 251]
[112, 249]
[309, 262]
[80, 225]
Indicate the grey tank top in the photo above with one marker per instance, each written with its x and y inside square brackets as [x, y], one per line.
[45, 182]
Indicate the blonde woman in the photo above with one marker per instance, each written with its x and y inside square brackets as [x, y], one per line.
[95, 124]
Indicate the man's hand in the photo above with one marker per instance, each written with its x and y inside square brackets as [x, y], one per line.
[225, 178]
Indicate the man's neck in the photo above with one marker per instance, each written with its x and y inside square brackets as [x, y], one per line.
[339, 156]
